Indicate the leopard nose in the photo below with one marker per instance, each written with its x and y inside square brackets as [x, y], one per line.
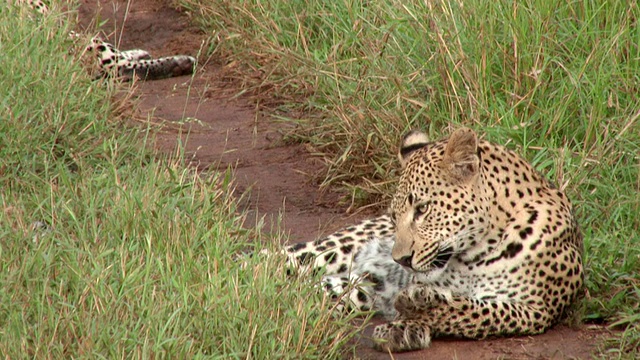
[405, 260]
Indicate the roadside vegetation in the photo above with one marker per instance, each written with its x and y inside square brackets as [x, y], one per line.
[108, 251]
[556, 81]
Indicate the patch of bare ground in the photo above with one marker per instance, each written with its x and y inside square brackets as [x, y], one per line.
[274, 179]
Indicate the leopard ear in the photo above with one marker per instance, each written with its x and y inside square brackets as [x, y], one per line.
[414, 140]
[461, 155]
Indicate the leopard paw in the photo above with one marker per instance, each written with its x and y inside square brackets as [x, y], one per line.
[402, 335]
[415, 299]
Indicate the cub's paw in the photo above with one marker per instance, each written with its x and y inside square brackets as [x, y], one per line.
[334, 286]
[348, 293]
[401, 335]
[415, 299]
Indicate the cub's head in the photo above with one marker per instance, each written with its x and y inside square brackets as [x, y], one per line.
[436, 208]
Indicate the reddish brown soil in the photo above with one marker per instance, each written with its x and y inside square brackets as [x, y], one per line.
[273, 180]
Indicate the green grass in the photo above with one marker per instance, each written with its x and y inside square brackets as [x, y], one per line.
[139, 257]
[556, 81]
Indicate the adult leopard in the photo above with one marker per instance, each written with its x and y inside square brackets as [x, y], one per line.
[476, 243]
[128, 64]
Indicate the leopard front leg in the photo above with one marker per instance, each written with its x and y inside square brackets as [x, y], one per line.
[477, 319]
[424, 312]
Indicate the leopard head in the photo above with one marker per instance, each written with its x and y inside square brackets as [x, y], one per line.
[436, 208]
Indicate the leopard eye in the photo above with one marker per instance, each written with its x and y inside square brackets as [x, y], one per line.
[421, 209]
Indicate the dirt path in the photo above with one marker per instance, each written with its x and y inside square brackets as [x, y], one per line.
[272, 179]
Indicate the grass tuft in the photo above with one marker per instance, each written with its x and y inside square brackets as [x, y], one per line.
[111, 252]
